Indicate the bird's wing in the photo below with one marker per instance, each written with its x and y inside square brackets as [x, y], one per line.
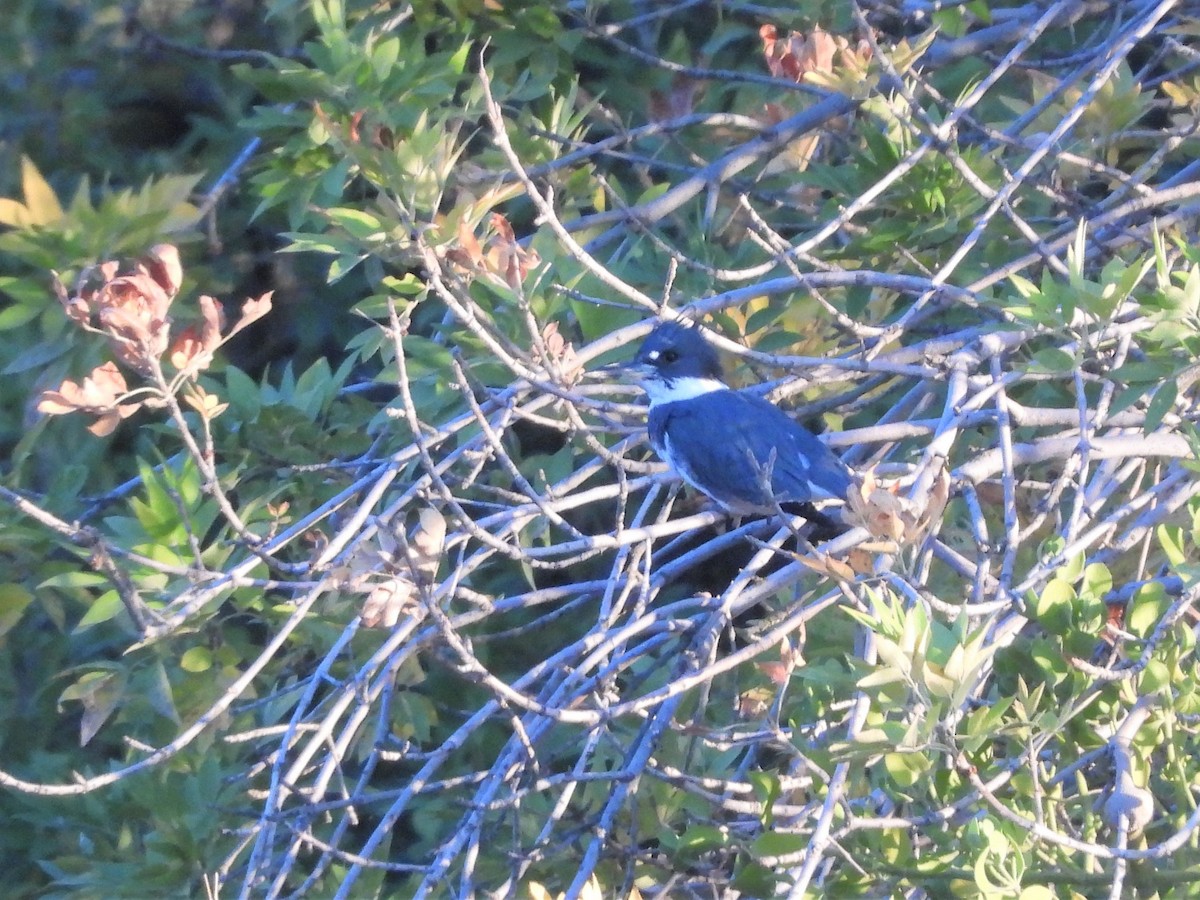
[825, 476]
[743, 438]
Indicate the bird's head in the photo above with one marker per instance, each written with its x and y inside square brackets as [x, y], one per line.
[675, 362]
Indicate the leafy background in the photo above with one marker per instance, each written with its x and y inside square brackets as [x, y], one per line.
[407, 608]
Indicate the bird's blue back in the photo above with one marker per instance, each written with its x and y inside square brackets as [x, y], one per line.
[743, 435]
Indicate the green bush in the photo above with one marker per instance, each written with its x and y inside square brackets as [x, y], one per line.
[423, 615]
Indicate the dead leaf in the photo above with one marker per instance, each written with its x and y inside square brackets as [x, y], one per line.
[935, 507]
[990, 493]
[188, 350]
[162, 264]
[827, 565]
[76, 308]
[254, 309]
[754, 703]
[101, 694]
[208, 405]
[132, 311]
[387, 602]
[469, 253]
[796, 57]
[98, 394]
[425, 545]
[678, 101]
[779, 672]
[193, 349]
[391, 571]
[559, 351]
[592, 890]
[500, 257]
[861, 561]
[99, 390]
[880, 509]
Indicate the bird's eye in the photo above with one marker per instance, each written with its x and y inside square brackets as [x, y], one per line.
[670, 356]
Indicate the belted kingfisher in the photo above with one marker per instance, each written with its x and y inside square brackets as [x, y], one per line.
[738, 449]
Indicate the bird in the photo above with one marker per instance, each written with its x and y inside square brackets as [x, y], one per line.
[739, 450]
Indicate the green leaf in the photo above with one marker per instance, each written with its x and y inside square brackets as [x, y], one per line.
[358, 223]
[906, 769]
[756, 880]
[458, 60]
[36, 356]
[1097, 581]
[408, 285]
[14, 599]
[41, 203]
[1160, 404]
[17, 315]
[100, 691]
[774, 843]
[1170, 538]
[1126, 398]
[1072, 570]
[1142, 372]
[1155, 677]
[1146, 608]
[767, 790]
[906, 55]
[106, 607]
[883, 152]
[1052, 359]
[1024, 286]
[343, 266]
[1036, 892]
[700, 839]
[384, 57]
[196, 660]
[1055, 608]
[243, 393]
[155, 686]
[881, 677]
[73, 580]
[13, 213]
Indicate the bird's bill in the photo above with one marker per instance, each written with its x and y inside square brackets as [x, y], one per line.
[629, 373]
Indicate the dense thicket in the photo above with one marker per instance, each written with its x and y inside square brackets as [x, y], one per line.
[369, 584]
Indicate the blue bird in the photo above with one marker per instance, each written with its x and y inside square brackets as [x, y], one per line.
[741, 451]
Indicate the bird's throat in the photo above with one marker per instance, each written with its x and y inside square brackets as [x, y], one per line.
[675, 389]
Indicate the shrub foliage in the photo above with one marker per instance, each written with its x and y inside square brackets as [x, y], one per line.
[429, 618]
